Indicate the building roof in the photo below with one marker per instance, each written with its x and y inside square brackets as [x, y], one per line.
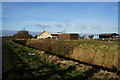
[42, 33]
[69, 34]
[54, 34]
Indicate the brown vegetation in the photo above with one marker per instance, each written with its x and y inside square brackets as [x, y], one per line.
[22, 35]
[95, 52]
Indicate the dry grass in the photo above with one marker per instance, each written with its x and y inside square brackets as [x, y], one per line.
[102, 53]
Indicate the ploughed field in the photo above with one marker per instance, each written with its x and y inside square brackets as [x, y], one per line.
[101, 53]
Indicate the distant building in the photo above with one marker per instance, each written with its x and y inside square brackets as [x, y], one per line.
[61, 36]
[109, 35]
[68, 36]
[114, 35]
[95, 36]
[54, 36]
[46, 34]
[86, 37]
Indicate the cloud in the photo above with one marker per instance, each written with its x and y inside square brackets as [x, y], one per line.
[63, 25]
[81, 26]
[42, 26]
[94, 27]
[59, 25]
[68, 24]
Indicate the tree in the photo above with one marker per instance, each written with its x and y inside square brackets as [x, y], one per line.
[22, 35]
[35, 36]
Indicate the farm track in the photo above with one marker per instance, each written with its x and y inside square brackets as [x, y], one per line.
[74, 60]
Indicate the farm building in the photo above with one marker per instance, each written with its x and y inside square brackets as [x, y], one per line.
[45, 35]
[61, 36]
[96, 37]
[109, 35]
[70, 36]
[86, 37]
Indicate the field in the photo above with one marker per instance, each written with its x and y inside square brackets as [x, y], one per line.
[102, 53]
[17, 64]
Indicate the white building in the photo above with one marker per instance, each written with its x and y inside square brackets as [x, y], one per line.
[96, 37]
[45, 35]
[86, 37]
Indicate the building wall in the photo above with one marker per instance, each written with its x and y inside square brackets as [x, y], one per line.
[64, 36]
[73, 36]
[96, 37]
[68, 36]
[44, 35]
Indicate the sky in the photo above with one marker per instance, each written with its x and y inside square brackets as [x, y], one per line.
[80, 17]
[60, 0]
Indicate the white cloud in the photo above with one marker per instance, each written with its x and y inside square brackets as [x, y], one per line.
[59, 25]
[42, 26]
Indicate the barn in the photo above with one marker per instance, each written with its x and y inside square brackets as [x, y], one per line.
[108, 35]
[68, 36]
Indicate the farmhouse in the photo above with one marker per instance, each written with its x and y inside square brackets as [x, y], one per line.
[46, 34]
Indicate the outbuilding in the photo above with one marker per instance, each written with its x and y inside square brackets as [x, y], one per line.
[68, 36]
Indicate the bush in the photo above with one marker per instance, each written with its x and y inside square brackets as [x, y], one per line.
[22, 35]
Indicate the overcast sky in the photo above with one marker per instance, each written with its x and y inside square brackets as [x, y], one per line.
[81, 17]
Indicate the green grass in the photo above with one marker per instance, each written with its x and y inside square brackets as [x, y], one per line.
[18, 64]
[24, 66]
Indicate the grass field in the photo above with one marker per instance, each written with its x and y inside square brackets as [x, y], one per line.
[17, 64]
[102, 53]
